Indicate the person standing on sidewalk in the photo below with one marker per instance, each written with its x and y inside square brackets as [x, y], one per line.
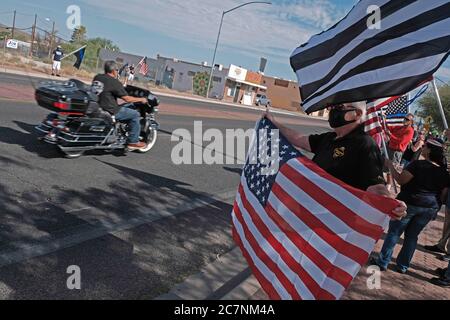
[58, 54]
[399, 139]
[414, 150]
[444, 277]
[424, 184]
[131, 73]
[443, 245]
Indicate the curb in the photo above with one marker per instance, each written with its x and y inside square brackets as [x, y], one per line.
[228, 278]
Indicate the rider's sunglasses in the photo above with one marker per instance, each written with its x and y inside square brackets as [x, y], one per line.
[341, 107]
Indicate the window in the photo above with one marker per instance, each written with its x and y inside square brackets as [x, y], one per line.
[119, 60]
[191, 74]
[281, 83]
[217, 79]
[232, 91]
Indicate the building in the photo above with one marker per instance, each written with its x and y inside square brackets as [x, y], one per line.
[234, 84]
[242, 86]
[283, 94]
[123, 58]
[190, 77]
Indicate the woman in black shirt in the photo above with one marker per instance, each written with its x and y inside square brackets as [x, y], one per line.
[424, 183]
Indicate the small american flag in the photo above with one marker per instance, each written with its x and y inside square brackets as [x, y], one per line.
[144, 66]
[372, 124]
[396, 111]
[304, 233]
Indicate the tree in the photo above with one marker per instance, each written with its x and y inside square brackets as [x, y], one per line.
[4, 34]
[93, 46]
[79, 35]
[428, 106]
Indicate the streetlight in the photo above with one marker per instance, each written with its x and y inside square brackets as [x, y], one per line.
[218, 37]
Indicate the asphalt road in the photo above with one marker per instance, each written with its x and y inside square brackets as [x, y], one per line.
[136, 225]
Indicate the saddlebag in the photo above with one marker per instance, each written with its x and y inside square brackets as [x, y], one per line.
[84, 132]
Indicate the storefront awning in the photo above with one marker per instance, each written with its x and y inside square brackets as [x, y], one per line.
[248, 83]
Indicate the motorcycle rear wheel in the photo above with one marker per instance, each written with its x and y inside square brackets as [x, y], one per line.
[150, 139]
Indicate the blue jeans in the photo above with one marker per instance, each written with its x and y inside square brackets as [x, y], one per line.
[132, 117]
[413, 224]
[447, 274]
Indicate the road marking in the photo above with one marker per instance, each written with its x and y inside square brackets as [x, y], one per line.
[78, 210]
[26, 251]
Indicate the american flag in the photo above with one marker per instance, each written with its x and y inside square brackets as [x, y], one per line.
[372, 124]
[144, 66]
[356, 61]
[304, 233]
[396, 111]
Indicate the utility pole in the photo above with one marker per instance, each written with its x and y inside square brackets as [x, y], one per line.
[52, 37]
[33, 37]
[218, 38]
[14, 25]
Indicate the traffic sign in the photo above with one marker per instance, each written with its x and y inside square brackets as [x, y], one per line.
[12, 44]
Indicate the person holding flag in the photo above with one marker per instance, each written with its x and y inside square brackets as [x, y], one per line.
[58, 55]
[348, 153]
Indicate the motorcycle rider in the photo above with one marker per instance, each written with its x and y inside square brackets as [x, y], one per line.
[112, 90]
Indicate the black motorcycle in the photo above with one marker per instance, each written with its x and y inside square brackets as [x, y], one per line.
[77, 123]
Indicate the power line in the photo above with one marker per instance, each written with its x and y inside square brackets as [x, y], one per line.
[442, 81]
[56, 34]
[25, 14]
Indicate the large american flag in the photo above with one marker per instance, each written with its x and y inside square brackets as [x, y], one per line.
[353, 62]
[304, 233]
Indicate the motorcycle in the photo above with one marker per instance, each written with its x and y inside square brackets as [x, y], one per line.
[77, 124]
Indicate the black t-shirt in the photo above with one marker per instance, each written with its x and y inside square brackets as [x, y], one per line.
[112, 90]
[57, 55]
[132, 70]
[425, 189]
[354, 159]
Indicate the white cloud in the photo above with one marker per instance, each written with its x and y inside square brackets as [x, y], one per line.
[272, 31]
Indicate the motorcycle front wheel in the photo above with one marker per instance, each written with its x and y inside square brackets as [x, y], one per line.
[72, 154]
[150, 139]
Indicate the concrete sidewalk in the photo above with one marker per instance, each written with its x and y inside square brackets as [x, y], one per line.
[229, 278]
[167, 94]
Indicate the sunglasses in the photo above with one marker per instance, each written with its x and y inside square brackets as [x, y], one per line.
[342, 107]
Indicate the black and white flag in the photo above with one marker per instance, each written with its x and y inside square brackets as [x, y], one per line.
[362, 57]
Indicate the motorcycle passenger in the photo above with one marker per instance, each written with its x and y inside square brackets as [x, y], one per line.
[112, 90]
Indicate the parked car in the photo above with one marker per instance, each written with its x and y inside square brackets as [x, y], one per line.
[262, 100]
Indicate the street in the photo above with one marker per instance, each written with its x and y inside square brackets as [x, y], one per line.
[135, 224]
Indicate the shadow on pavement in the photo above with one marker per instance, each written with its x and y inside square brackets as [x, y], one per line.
[138, 263]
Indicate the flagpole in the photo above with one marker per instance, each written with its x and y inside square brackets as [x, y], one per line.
[73, 52]
[441, 109]
[387, 156]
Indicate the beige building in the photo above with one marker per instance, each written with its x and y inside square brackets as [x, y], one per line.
[285, 94]
[242, 85]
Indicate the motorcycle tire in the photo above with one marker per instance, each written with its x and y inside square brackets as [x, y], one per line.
[150, 139]
[72, 155]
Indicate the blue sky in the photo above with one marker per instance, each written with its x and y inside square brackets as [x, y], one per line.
[187, 30]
